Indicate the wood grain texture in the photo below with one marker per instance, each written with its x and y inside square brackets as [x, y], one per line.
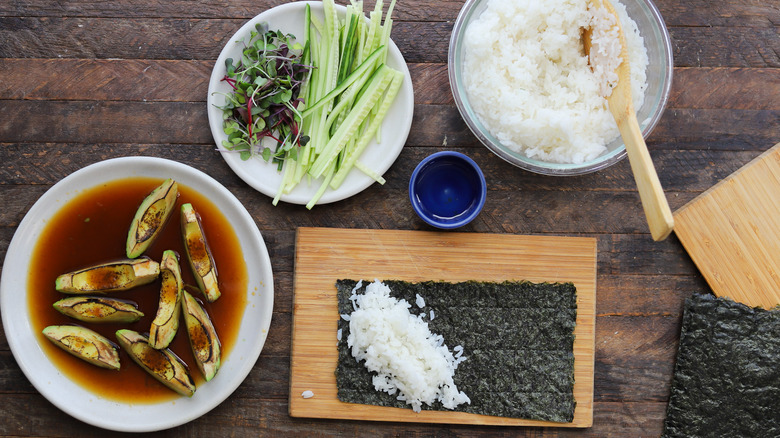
[732, 233]
[419, 41]
[86, 80]
[187, 123]
[726, 13]
[325, 255]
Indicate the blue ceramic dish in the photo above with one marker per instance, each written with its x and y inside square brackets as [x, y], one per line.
[447, 190]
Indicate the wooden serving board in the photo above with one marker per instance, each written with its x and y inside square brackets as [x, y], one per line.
[732, 232]
[324, 255]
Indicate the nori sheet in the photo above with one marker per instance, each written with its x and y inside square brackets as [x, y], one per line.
[726, 379]
[518, 338]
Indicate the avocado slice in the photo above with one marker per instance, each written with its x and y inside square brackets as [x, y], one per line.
[151, 217]
[198, 253]
[109, 277]
[85, 344]
[163, 364]
[204, 341]
[99, 309]
[166, 322]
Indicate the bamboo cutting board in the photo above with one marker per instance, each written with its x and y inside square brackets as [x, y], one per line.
[732, 232]
[324, 255]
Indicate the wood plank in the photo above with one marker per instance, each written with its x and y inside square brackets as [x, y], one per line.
[732, 233]
[269, 418]
[203, 39]
[729, 13]
[104, 122]
[700, 127]
[432, 125]
[105, 79]
[118, 37]
[417, 257]
[725, 47]
[741, 13]
[726, 87]
[635, 357]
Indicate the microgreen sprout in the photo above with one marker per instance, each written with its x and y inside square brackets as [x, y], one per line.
[264, 101]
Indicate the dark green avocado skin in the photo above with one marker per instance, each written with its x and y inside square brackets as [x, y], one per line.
[726, 380]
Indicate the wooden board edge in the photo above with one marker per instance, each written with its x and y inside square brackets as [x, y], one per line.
[583, 411]
[692, 234]
[770, 151]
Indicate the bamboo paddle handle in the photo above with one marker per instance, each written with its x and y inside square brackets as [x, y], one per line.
[659, 216]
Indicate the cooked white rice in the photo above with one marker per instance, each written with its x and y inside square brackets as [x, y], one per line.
[399, 347]
[529, 82]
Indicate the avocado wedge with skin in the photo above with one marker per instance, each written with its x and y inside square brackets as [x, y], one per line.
[166, 322]
[99, 309]
[198, 253]
[109, 277]
[206, 347]
[163, 364]
[85, 344]
[151, 217]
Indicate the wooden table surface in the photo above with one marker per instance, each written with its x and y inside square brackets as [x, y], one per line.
[83, 81]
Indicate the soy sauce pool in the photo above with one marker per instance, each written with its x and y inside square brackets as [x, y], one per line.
[92, 229]
[448, 189]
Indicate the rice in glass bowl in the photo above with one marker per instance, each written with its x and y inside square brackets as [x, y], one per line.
[523, 85]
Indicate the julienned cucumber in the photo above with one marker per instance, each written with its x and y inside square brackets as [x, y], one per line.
[347, 95]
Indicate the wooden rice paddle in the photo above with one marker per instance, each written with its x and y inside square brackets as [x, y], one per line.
[659, 216]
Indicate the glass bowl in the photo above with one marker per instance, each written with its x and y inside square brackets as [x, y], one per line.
[659, 82]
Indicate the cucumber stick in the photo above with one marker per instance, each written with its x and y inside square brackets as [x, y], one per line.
[349, 92]
[373, 91]
[397, 79]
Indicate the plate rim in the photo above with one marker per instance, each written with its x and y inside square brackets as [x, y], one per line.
[18, 330]
[356, 181]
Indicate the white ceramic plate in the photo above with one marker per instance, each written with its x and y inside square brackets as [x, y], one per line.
[263, 176]
[77, 401]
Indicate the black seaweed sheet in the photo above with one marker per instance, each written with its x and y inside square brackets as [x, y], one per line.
[518, 338]
[727, 377]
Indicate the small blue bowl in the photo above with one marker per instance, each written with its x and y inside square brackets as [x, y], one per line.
[447, 189]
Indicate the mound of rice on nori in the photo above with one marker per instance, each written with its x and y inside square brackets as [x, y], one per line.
[518, 338]
[727, 379]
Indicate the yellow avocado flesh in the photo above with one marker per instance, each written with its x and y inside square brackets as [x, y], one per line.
[163, 364]
[166, 321]
[84, 344]
[98, 309]
[203, 337]
[198, 253]
[150, 218]
[109, 277]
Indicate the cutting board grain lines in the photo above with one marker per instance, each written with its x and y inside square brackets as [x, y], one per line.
[324, 255]
[732, 232]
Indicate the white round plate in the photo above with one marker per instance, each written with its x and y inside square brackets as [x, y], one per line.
[263, 176]
[85, 405]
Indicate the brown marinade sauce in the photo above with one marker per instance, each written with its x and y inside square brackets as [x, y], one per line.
[92, 229]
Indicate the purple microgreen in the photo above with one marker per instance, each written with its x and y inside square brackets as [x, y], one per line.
[265, 85]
